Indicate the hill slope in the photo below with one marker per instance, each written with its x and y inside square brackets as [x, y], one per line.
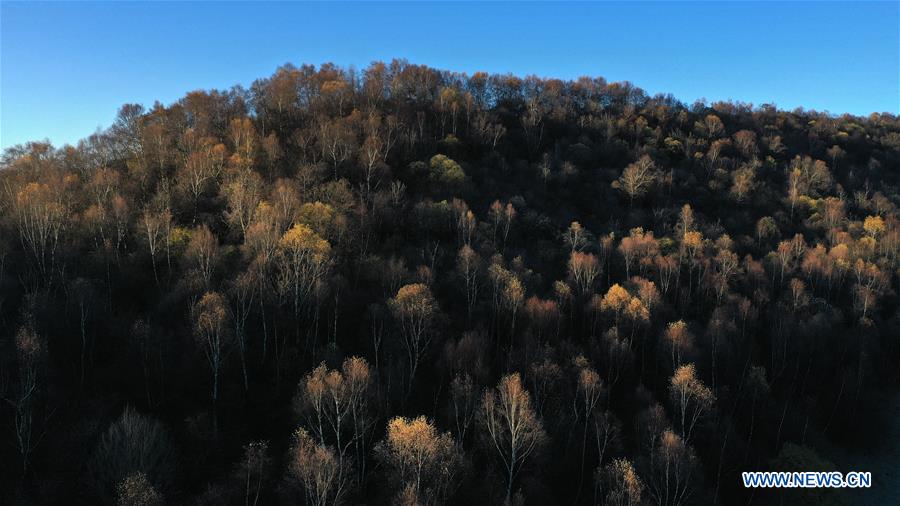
[659, 295]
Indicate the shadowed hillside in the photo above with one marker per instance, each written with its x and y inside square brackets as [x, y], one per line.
[407, 285]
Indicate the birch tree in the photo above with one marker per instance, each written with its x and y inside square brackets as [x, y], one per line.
[512, 427]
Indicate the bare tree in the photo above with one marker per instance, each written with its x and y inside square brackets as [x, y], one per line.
[133, 444]
[203, 252]
[468, 264]
[243, 194]
[618, 484]
[317, 470]
[512, 426]
[671, 467]
[637, 178]
[583, 269]
[30, 353]
[40, 217]
[154, 229]
[241, 294]
[210, 316]
[253, 469]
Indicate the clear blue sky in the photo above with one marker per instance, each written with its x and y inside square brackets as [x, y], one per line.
[65, 68]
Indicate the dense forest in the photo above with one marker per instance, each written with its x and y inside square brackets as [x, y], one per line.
[402, 285]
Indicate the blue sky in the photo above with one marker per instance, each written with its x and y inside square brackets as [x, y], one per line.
[65, 68]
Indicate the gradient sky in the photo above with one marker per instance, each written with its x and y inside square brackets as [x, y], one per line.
[65, 68]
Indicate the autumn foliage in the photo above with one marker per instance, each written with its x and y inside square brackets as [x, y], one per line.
[406, 285]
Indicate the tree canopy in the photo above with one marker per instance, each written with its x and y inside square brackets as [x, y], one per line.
[404, 284]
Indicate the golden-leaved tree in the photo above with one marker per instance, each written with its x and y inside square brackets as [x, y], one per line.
[424, 462]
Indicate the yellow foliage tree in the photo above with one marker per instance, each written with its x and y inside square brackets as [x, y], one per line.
[303, 261]
[414, 308]
[692, 399]
[874, 226]
[420, 457]
[615, 301]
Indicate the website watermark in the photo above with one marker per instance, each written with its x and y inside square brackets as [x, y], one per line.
[807, 479]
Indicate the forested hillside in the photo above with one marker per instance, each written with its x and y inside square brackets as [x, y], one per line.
[412, 286]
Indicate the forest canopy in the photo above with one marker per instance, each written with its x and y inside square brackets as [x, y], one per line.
[415, 286]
